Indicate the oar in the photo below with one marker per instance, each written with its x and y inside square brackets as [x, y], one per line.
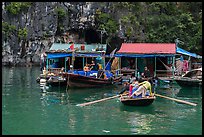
[178, 100]
[96, 101]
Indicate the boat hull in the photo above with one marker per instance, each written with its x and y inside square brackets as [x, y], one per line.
[188, 82]
[137, 101]
[192, 78]
[75, 80]
[57, 83]
[79, 81]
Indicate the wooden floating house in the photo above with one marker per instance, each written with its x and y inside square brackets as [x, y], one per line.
[160, 58]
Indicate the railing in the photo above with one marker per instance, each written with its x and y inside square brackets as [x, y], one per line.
[164, 73]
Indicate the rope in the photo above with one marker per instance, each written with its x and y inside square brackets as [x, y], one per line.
[167, 67]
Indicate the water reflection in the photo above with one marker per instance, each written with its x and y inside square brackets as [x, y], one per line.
[189, 92]
[49, 98]
[63, 95]
[139, 118]
[139, 109]
[140, 124]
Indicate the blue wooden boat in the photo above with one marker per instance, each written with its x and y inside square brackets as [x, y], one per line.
[79, 79]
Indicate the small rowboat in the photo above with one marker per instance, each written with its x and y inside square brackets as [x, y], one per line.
[126, 100]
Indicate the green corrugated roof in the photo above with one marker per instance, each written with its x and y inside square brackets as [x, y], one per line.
[88, 47]
[60, 46]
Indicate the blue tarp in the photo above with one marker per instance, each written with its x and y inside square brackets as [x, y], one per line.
[184, 52]
[62, 55]
[58, 55]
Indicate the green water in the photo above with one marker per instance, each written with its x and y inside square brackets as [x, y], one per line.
[27, 109]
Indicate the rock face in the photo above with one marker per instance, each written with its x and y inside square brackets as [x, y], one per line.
[44, 22]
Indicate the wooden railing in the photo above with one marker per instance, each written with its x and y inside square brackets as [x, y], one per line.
[164, 73]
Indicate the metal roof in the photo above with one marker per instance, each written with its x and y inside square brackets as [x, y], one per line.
[59, 50]
[147, 48]
[88, 47]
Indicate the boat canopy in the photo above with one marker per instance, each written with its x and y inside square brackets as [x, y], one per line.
[184, 52]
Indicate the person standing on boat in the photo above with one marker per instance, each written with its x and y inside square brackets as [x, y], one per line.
[86, 69]
[142, 89]
[100, 73]
[93, 65]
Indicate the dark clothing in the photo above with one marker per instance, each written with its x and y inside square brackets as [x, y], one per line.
[95, 67]
[125, 88]
[147, 74]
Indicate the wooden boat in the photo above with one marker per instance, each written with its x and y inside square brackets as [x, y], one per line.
[56, 81]
[77, 80]
[52, 80]
[188, 82]
[46, 77]
[192, 78]
[126, 100]
[73, 58]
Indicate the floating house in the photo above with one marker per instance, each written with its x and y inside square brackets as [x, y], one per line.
[65, 63]
[74, 56]
[139, 55]
[160, 58]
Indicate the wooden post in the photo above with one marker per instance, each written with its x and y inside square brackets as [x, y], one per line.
[73, 58]
[173, 65]
[47, 63]
[83, 63]
[65, 64]
[190, 63]
[155, 66]
[136, 67]
[119, 63]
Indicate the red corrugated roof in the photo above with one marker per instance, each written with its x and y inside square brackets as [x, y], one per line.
[148, 48]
